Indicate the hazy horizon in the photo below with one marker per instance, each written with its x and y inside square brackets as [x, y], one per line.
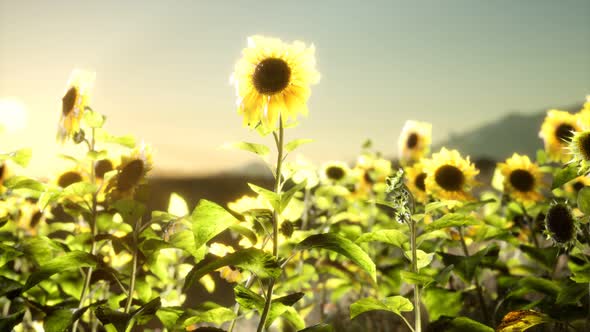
[163, 70]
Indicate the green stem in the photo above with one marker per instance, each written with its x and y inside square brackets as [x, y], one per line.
[275, 224]
[88, 276]
[417, 314]
[133, 267]
[480, 297]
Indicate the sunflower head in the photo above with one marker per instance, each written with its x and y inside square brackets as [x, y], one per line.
[74, 102]
[416, 182]
[131, 173]
[579, 149]
[334, 172]
[414, 141]
[449, 176]
[103, 166]
[70, 177]
[522, 179]
[557, 132]
[371, 171]
[560, 223]
[575, 185]
[272, 81]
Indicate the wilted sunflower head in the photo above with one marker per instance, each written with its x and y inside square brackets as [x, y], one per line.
[416, 182]
[131, 173]
[579, 149]
[334, 172]
[414, 141]
[449, 176]
[560, 223]
[69, 177]
[557, 132]
[74, 102]
[522, 179]
[272, 81]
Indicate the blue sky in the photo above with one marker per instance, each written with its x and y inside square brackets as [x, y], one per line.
[163, 69]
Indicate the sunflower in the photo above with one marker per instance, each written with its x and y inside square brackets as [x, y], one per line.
[272, 81]
[560, 223]
[414, 141]
[579, 150]
[522, 179]
[74, 102]
[371, 171]
[416, 182]
[334, 172]
[449, 176]
[557, 131]
[131, 173]
[575, 185]
[70, 177]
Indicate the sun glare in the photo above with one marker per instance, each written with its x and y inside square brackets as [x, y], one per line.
[13, 116]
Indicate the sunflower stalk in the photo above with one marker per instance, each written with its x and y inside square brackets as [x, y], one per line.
[275, 225]
[133, 266]
[480, 297]
[88, 276]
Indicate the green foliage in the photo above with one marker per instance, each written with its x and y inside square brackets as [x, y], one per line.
[69, 261]
[209, 219]
[396, 304]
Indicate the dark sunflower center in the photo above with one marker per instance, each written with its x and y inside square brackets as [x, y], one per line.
[564, 133]
[68, 101]
[560, 223]
[522, 180]
[130, 175]
[412, 141]
[69, 178]
[578, 185]
[419, 181]
[584, 145]
[368, 176]
[101, 167]
[449, 178]
[335, 173]
[1, 171]
[271, 75]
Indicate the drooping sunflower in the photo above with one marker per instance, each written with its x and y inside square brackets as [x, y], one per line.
[522, 179]
[560, 223]
[414, 141]
[70, 177]
[449, 176]
[131, 173]
[334, 172]
[74, 102]
[579, 151]
[557, 131]
[272, 81]
[103, 166]
[416, 182]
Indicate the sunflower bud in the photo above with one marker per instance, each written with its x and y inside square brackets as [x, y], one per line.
[560, 223]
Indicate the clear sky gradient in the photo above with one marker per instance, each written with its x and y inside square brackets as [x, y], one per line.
[163, 69]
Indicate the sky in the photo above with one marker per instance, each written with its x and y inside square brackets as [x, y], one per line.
[163, 70]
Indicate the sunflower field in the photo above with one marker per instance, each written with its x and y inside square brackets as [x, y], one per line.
[422, 243]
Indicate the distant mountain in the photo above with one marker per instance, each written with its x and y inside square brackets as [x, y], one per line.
[515, 132]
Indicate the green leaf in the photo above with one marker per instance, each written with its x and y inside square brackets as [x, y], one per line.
[527, 285]
[288, 195]
[465, 267]
[458, 324]
[8, 254]
[208, 220]
[415, 278]
[546, 256]
[248, 299]
[8, 286]
[521, 320]
[294, 144]
[343, 246]
[270, 196]
[94, 119]
[294, 317]
[127, 141]
[23, 182]
[423, 258]
[7, 323]
[59, 320]
[129, 210]
[245, 232]
[318, 328]
[564, 175]
[216, 316]
[70, 261]
[396, 304]
[20, 157]
[79, 189]
[259, 149]
[451, 220]
[279, 306]
[390, 236]
[584, 200]
[254, 260]
[169, 315]
[571, 293]
[442, 302]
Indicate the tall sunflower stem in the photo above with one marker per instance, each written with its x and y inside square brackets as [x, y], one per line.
[275, 225]
[480, 296]
[133, 267]
[88, 276]
[414, 248]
